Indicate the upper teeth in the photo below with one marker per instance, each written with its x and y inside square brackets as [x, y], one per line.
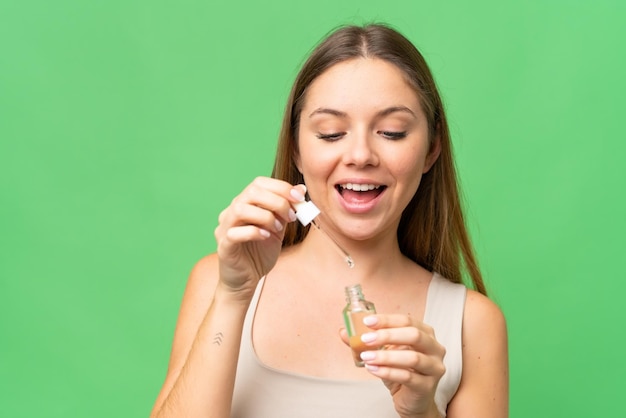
[359, 187]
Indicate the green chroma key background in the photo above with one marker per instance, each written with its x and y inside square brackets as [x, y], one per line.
[127, 126]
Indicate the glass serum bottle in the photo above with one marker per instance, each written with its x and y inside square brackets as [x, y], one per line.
[356, 309]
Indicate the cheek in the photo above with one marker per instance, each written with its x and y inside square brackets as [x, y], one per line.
[315, 165]
[408, 172]
[315, 159]
[310, 168]
[410, 163]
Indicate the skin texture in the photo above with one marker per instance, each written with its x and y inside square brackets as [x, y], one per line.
[361, 123]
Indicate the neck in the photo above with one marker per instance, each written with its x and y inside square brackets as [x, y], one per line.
[373, 259]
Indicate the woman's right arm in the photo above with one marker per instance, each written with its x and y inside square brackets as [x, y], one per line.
[201, 373]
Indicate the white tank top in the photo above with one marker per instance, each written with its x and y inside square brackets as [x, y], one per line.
[264, 392]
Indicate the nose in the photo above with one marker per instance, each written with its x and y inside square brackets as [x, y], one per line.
[361, 150]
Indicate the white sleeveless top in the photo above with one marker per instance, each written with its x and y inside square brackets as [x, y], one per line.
[264, 392]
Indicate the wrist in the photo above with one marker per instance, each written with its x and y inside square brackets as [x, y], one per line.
[224, 294]
[431, 412]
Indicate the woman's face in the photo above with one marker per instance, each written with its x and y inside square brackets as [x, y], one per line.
[363, 146]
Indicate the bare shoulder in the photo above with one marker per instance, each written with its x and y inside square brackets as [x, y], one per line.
[484, 330]
[200, 289]
[204, 275]
[482, 315]
[484, 387]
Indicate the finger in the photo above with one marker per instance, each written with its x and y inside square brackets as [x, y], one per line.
[406, 359]
[344, 336]
[279, 187]
[273, 195]
[247, 233]
[276, 205]
[417, 339]
[249, 215]
[302, 189]
[392, 376]
[379, 321]
[230, 245]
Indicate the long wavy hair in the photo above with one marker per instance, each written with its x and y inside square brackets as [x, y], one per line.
[432, 230]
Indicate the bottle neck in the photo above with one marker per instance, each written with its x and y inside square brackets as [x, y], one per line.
[354, 294]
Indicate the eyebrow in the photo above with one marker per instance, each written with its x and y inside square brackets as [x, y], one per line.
[394, 109]
[327, 111]
[340, 114]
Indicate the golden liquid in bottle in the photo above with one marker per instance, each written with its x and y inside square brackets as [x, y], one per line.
[358, 329]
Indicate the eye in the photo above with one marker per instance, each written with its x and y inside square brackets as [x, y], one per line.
[331, 137]
[392, 134]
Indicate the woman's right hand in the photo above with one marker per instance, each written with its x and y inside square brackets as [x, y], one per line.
[251, 229]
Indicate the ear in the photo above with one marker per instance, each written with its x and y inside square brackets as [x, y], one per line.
[433, 154]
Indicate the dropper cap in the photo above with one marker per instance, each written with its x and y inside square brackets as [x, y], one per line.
[306, 212]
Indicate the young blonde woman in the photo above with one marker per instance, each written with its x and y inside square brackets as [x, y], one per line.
[260, 331]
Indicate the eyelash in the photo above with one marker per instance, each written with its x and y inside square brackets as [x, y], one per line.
[392, 135]
[387, 134]
[331, 137]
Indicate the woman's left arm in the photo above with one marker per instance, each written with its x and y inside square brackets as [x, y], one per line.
[484, 388]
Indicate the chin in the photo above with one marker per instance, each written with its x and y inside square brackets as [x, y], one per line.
[365, 232]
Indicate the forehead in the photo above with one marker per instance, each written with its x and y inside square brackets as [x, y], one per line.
[360, 84]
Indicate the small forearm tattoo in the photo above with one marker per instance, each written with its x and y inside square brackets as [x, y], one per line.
[217, 339]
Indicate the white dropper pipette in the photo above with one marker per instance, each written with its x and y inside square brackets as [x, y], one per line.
[307, 212]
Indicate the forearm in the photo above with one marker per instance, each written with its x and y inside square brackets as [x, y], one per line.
[204, 386]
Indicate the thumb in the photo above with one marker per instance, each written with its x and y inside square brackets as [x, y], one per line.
[301, 187]
[344, 336]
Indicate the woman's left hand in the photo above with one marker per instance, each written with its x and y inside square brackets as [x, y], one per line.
[410, 365]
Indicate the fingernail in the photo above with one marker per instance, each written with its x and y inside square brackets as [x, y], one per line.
[368, 337]
[368, 355]
[297, 194]
[278, 225]
[292, 215]
[370, 320]
[264, 233]
[371, 367]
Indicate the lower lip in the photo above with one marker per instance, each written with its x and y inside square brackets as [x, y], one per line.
[359, 207]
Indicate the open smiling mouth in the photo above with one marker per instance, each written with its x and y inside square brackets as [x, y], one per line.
[359, 193]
